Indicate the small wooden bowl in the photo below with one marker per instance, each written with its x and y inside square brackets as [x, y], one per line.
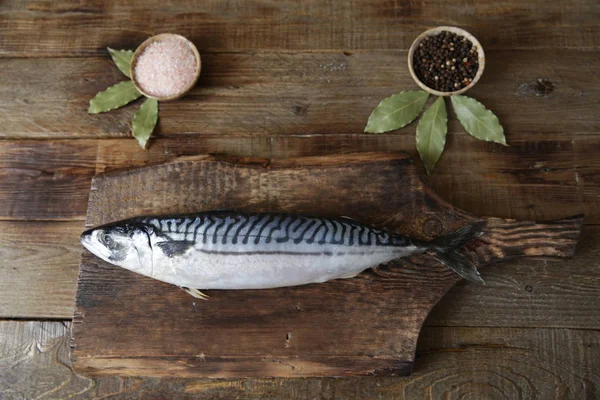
[433, 32]
[158, 38]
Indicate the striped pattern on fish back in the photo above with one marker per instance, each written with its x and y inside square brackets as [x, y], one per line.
[228, 228]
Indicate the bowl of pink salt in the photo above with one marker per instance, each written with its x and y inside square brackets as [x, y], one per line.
[165, 67]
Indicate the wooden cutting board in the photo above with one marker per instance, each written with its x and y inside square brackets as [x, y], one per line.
[128, 324]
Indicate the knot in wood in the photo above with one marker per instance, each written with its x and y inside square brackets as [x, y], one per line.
[432, 227]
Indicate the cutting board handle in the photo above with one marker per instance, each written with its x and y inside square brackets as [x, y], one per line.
[367, 325]
[509, 239]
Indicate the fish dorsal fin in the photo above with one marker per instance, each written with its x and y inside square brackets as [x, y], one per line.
[173, 248]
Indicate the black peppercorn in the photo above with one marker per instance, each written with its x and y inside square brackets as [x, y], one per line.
[446, 62]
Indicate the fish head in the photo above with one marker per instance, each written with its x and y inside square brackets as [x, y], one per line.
[126, 245]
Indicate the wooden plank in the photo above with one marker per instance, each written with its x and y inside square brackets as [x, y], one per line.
[451, 362]
[64, 28]
[46, 179]
[38, 268]
[392, 198]
[298, 94]
[539, 177]
[518, 293]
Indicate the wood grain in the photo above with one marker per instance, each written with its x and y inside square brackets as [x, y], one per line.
[42, 28]
[529, 180]
[261, 94]
[452, 362]
[240, 334]
[46, 179]
[38, 268]
[34, 361]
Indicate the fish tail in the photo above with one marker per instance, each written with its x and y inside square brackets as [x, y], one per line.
[447, 251]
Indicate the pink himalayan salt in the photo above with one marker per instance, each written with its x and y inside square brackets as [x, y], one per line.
[166, 68]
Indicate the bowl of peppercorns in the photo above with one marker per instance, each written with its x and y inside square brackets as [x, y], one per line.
[446, 60]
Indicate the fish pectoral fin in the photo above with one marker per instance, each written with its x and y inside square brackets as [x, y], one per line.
[173, 248]
[195, 293]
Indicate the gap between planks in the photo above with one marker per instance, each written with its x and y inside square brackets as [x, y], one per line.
[68, 321]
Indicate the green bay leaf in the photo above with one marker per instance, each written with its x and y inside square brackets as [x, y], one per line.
[431, 133]
[396, 111]
[114, 97]
[144, 121]
[478, 120]
[122, 59]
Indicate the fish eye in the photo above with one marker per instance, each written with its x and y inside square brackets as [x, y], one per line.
[108, 241]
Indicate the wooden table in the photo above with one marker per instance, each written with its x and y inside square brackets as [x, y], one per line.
[288, 78]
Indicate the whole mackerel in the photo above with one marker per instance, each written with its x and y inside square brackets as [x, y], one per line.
[235, 250]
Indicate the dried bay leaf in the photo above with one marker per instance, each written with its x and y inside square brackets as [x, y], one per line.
[396, 111]
[122, 58]
[144, 121]
[431, 133]
[114, 97]
[478, 120]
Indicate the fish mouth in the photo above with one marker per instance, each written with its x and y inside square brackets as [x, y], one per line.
[91, 244]
[86, 238]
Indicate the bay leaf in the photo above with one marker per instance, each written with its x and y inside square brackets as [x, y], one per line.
[114, 97]
[144, 121]
[431, 133]
[478, 120]
[122, 58]
[396, 111]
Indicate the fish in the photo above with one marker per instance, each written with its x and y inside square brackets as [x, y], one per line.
[251, 250]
